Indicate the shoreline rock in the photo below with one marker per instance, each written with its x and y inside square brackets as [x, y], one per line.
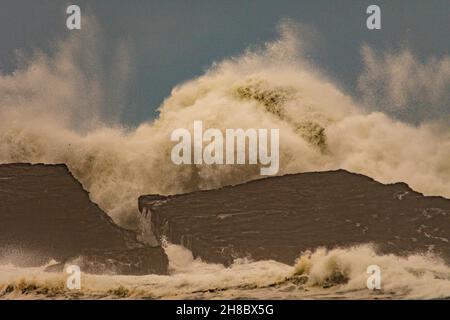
[280, 217]
[46, 214]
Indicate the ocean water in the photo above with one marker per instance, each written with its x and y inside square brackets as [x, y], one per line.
[316, 275]
[322, 127]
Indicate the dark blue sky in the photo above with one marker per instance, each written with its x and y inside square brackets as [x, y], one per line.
[173, 41]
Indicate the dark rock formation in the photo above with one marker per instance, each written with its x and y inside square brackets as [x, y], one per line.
[46, 214]
[279, 217]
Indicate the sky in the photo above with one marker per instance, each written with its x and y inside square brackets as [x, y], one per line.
[173, 41]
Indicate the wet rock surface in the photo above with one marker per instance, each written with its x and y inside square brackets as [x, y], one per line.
[46, 214]
[280, 217]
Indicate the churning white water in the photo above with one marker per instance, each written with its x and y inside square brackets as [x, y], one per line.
[312, 277]
[51, 111]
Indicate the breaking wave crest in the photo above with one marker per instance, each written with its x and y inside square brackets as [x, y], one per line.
[339, 273]
[52, 111]
[49, 112]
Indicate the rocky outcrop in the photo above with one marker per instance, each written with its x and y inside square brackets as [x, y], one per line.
[46, 214]
[279, 217]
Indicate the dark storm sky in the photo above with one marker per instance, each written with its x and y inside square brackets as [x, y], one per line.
[173, 40]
